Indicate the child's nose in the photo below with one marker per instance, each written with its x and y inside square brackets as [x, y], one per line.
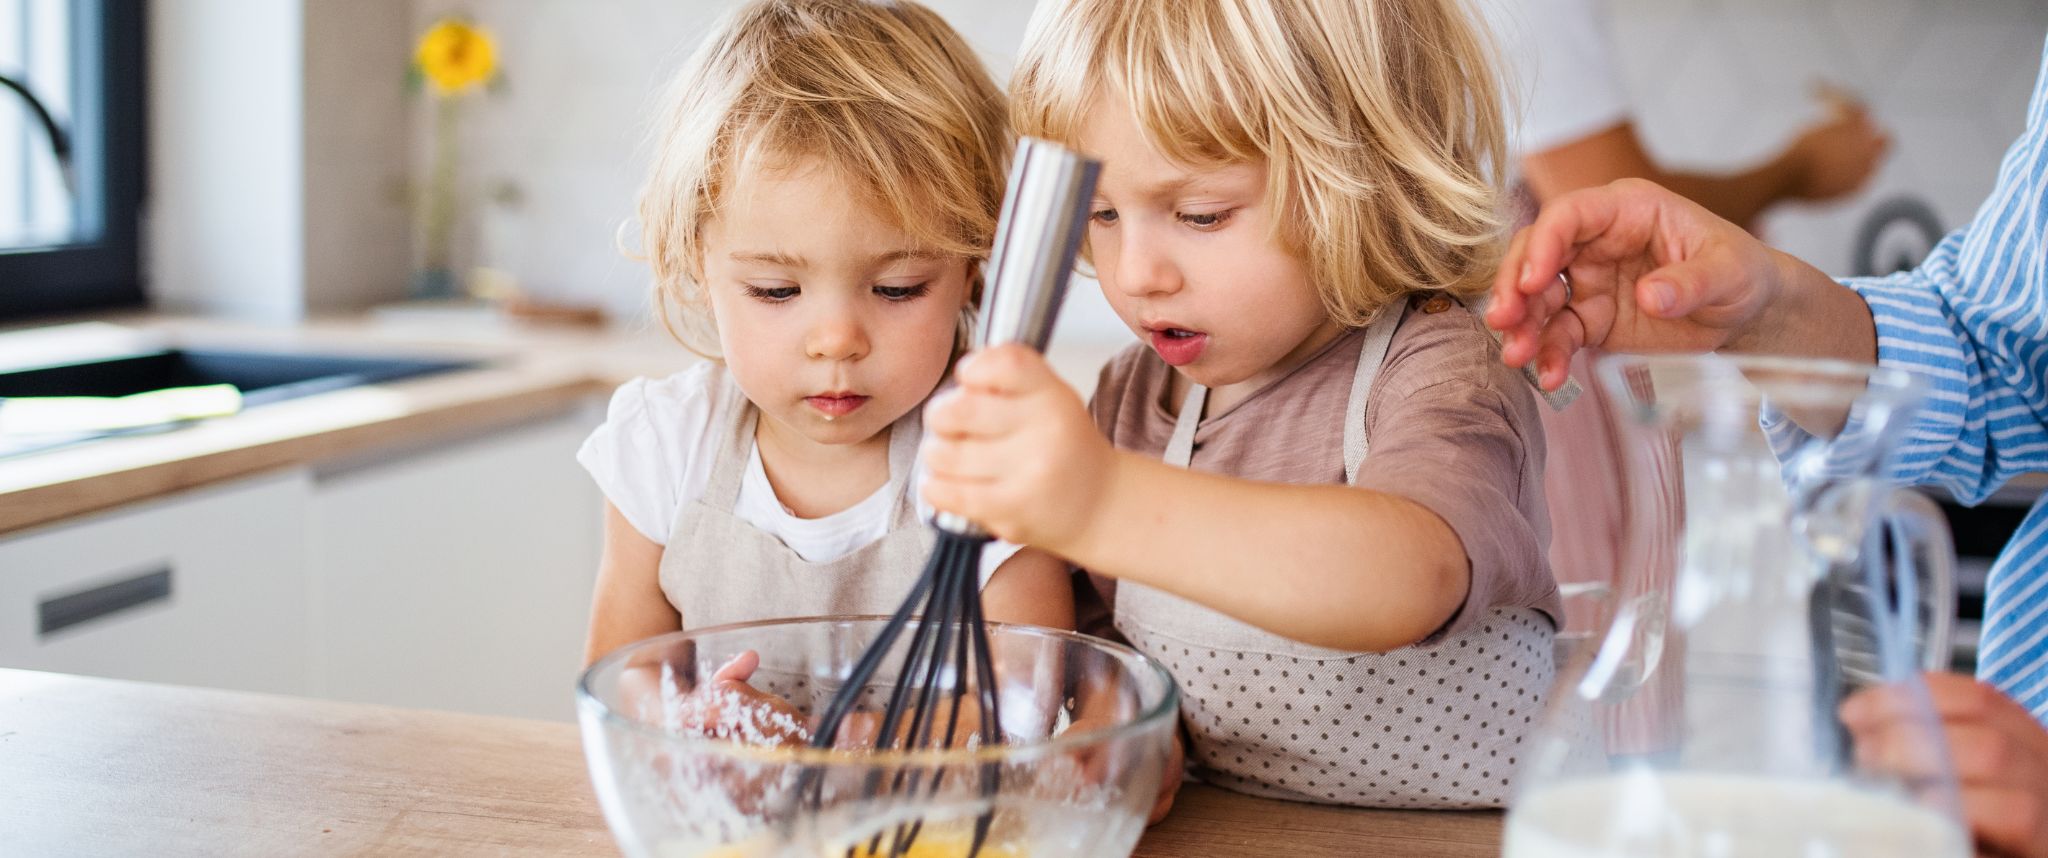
[837, 339]
[1143, 268]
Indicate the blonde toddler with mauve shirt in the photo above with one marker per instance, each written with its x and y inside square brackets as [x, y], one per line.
[1319, 501]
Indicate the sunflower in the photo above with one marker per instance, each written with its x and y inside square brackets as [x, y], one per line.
[456, 57]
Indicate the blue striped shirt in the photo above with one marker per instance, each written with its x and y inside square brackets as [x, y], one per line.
[1973, 321]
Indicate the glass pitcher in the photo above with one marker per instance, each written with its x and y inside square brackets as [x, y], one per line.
[1768, 573]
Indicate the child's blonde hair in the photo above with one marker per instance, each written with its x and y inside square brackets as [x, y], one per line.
[881, 90]
[1379, 122]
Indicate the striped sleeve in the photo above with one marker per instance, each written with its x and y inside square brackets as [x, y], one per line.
[1972, 321]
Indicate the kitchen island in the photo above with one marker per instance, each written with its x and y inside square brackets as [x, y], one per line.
[108, 767]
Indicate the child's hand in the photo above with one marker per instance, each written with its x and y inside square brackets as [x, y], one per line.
[1095, 766]
[862, 730]
[1169, 781]
[1014, 450]
[728, 708]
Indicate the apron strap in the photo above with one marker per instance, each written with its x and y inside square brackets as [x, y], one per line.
[1378, 336]
[1180, 449]
[739, 416]
[904, 436]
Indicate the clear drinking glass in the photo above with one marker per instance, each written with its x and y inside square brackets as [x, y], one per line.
[1768, 573]
[1089, 725]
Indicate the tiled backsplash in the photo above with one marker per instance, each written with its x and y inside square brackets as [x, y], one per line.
[1715, 83]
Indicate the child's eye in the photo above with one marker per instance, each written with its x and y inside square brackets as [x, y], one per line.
[903, 293]
[770, 294]
[1103, 216]
[1206, 220]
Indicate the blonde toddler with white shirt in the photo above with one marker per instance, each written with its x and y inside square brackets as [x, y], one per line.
[828, 178]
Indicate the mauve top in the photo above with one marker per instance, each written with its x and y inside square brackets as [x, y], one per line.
[1437, 724]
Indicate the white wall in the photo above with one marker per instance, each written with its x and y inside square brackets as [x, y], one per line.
[1717, 84]
[226, 209]
[277, 144]
[280, 133]
[569, 126]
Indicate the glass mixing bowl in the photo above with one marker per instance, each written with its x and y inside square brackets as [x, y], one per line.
[1088, 727]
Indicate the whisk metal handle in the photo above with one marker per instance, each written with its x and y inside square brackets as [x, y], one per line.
[1044, 218]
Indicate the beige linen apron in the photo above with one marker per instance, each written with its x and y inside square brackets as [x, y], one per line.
[720, 569]
[1435, 726]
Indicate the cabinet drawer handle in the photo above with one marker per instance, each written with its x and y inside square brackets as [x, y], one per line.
[62, 612]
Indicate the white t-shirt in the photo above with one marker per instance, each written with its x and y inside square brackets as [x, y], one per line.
[655, 451]
[1559, 66]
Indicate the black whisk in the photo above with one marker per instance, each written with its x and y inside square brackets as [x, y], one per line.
[1045, 214]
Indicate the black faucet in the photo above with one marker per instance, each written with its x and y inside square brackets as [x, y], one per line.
[60, 141]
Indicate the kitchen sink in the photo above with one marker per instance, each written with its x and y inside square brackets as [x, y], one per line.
[263, 377]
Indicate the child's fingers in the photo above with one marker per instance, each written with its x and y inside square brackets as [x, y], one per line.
[1008, 369]
[1169, 781]
[972, 414]
[972, 498]
[944, 413]
[987, 503]
[947, 496]
[858, 731]
[958, 414]
[739, 669]
[962, 459]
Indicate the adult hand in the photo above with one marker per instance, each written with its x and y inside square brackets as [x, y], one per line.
[1837, 156]
[1650, 271]
[2000, 755]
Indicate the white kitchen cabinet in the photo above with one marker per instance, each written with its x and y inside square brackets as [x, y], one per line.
[457, 577]
[205, 587]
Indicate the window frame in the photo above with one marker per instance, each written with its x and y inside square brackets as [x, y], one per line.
[108, 134]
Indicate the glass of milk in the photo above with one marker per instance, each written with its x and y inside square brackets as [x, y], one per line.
[1768, 572]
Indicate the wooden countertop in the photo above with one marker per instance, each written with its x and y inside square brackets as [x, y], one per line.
[106, 767]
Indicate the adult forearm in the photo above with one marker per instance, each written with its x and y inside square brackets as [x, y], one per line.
[1331, 566]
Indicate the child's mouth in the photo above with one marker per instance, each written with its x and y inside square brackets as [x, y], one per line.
[1178, 346]
[836, 404]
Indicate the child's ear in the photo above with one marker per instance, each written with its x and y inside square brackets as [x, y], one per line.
[963, 331]
[977, 271]
[970, 306]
